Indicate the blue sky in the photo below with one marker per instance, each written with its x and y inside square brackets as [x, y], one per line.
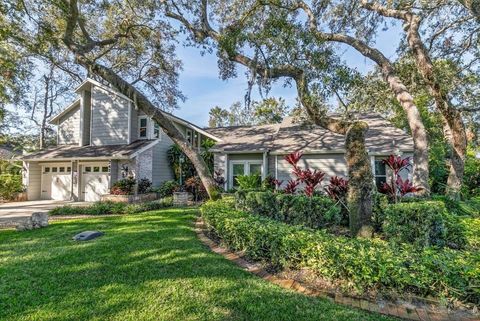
[200, 83]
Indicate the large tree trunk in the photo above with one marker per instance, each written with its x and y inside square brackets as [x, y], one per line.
[360, 184]
[452, 116]
[405, 99]
[156, 114]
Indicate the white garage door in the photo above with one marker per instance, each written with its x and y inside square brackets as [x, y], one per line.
[95, 181]
[56, 182]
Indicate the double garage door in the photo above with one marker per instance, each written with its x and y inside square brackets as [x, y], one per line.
[57, 181]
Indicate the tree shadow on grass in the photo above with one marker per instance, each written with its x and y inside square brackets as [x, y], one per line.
[146, 267]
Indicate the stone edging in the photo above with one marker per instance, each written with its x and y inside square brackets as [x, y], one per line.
[405, 310]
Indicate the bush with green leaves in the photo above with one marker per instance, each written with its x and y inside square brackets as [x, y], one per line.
[353, 264]
[144, 186]
[10, 186]
[423, 224]
[313, 212]
[125, 186]
[166, 188]
[108, 207]
[249, 181]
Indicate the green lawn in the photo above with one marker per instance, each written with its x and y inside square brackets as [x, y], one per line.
[148, 266]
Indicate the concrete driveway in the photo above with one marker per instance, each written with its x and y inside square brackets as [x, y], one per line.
[20, 209]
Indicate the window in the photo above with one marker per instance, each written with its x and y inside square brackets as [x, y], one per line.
[88, 169]
[69, 169]
[189, 135]
[54, 169]
[61, 169]
[105, 169]
[239, 168]
[195, 139]
[380, 173]
[142, 127]
[156, 130]
[96, 169]
[47, 170]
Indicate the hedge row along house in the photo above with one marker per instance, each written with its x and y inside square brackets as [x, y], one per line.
[103, 137]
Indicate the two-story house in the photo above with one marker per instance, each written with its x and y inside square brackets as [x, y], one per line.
[102, 137]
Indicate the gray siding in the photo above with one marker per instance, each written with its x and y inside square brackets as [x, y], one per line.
[87, 114]
[330, 164]
[69, 127]
[33, 180]
[109, 118]
[134, 125]
[161, 168]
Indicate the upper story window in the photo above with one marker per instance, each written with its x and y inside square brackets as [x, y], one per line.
[156, 130]
[189, 135]
[142, 127]
[195, 139]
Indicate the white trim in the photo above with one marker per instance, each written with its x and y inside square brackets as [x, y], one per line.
[102, 86]
[246, 168]
[227, 172]
[190, 125]
[141, 150]
[265, 166]
[308, 152]
[276, 166]
[82, 113]
[146, 128]
[63, 112]
[129, 122]
[189, 130]
[73, 158]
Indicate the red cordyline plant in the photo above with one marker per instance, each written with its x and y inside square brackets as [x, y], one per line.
[277, 183]
[310, 178]
[397, 186]
[337, 188]
[291, 187]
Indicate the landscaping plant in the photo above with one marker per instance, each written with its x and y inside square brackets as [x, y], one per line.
[249, 181]
[353, 264]
[310, 178]
[124, 186]
[10, 186]
[144, 185]
[397, 187]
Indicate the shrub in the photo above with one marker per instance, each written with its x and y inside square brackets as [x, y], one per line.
[380, 203]
[313, 212]
[10, 185]
[167, 188]
[105, 208]
[354, 264]
[144, 185]
[195, 186]
[249, 181]
[423, 224]
[124, 186]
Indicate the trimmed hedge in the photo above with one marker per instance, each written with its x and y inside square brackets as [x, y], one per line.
[314, 212]
[354, 264]
[105, 208]
[426, 223]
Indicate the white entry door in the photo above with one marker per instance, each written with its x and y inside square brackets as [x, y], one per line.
[56, 182]
[95, 181]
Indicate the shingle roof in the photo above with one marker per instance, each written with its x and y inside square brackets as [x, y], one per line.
[75, 152]
[288, 136]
